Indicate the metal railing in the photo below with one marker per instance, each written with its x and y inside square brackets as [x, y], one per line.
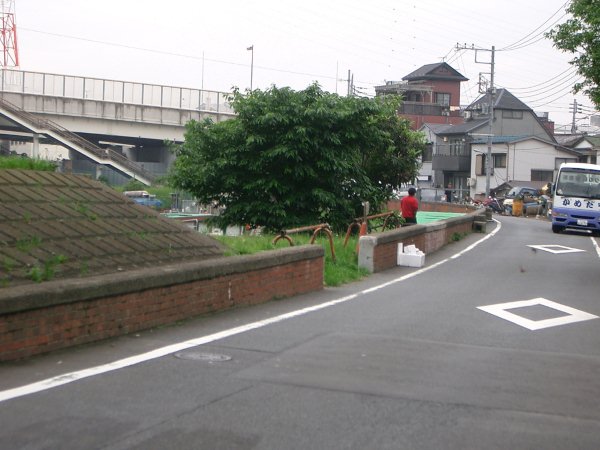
[114, 91]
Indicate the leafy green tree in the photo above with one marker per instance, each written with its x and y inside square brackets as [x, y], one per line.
[294, 158]
[580, 35]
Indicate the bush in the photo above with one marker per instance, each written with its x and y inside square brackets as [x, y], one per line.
[17, 162]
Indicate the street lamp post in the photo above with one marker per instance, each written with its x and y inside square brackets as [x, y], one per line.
[251, 48]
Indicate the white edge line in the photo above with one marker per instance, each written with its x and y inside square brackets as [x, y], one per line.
[595, 245]
[60, 380]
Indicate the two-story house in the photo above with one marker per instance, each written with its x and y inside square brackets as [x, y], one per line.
[521, 145]
[430, 94]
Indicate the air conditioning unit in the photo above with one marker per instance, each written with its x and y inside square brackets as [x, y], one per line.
[467, 114]
[471, 182]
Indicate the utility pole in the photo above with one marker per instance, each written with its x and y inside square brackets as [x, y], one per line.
[576, 109]
[350, 84]
[491, 93]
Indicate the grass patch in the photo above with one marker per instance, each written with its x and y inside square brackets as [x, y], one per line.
[47, 272]
[17, 162]
[344, 270]
[28, 243]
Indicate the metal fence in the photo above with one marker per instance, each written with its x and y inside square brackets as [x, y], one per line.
[439, 195]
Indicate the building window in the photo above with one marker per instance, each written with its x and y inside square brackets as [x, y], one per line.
[457, 147]
[480, 167]
[542, 175]
[428, 153]
[511, 114]
[499, 160]
[442, 99]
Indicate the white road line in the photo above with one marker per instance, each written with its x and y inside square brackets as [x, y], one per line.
[59, 380]
[596, 246]
[502, 310]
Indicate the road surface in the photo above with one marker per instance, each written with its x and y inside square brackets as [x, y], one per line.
[494, 344]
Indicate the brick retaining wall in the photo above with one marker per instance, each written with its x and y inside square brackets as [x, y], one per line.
[44, 317]
[378, 251]
[58, 314]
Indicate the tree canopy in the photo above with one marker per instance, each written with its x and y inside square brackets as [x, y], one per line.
[295, 158]
[580, 35]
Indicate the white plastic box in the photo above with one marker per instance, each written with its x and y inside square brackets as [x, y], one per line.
[410, 256]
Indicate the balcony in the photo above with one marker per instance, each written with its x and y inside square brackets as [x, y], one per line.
[423, 109]
[454, 157]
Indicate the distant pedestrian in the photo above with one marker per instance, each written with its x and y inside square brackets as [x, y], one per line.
[449, 193]
[409, 206]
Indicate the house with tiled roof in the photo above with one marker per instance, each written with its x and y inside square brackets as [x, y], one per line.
[431, 94]
[588, 147]
[521, 145]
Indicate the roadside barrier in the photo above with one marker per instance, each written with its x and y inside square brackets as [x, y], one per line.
[316, 229]
[391, 221]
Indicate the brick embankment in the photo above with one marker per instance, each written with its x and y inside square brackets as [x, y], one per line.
[40, 318]
[82, 263]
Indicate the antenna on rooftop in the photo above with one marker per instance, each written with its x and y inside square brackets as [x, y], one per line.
[8, 34]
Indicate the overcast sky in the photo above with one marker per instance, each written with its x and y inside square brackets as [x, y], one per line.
[204, 44]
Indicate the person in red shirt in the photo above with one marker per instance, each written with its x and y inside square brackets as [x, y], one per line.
[409, 206]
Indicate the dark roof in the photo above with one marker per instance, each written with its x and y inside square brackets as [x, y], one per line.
[594, 140]
[568, 139]
[571, 140]
[464, 128]
[437, 128]
[56, 226]
[503, 100]
[438, 71]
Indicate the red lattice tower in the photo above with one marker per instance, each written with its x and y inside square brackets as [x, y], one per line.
[8, 34]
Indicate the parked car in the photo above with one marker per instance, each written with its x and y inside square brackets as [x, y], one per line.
[528, 194]
[150, 201]
[525, 192]
[144, 198]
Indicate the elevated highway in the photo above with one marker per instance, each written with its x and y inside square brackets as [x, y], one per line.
[119, 125]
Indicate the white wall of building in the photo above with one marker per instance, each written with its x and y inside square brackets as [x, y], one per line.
[521, 158]
[48, 152]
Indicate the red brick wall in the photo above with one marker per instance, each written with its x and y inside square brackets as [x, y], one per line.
[44, 329]
[378, 251]
[385, 255]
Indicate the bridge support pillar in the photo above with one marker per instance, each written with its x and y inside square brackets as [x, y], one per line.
[35, 150]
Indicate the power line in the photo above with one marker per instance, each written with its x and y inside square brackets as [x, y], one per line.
[179, 55]
[570, 69]
[553, 87]
[521, 42]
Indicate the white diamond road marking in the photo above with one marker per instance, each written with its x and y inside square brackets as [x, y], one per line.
[573, 315]
[556, 249]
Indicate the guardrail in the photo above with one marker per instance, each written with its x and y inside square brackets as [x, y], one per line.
[316, 229]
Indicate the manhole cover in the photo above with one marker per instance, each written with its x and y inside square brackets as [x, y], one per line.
[202, 356]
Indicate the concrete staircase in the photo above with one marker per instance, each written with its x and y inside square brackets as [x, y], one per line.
[74, 142]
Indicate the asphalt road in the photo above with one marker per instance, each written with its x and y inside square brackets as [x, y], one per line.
[406, 359]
